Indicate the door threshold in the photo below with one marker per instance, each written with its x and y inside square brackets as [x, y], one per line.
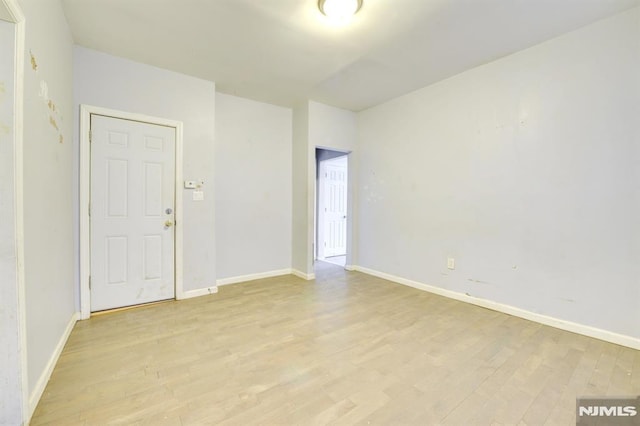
[126, 308]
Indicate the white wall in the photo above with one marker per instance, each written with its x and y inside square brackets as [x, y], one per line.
[253, 187]
[315, 125]
[48, 185]
[302, 209]
[10, 362]
[110, 82]
[524, 170]
[336, 129]
[331, 127]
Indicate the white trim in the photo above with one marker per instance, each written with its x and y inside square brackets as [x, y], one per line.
[85, 173]
[179, 217]
[41, 384]
[319, 231]
[252, 277]
[18, 19]
[244, 278]
[350, 267]
[585, 330]
[302, 275]
[197, 293]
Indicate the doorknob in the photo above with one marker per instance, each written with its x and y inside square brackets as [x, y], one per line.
[168, 224]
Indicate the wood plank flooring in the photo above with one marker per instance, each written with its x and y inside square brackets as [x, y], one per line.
[344, 349]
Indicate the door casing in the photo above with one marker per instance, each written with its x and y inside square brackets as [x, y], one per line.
[351, 211]
[13, 11]
[85, 197]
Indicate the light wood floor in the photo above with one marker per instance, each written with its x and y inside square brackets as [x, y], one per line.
[344, 349]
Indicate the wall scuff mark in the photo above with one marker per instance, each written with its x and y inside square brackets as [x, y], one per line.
[34, 64]
[53, 123]
[54, 115]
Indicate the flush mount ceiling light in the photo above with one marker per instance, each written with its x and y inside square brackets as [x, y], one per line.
[339, 10]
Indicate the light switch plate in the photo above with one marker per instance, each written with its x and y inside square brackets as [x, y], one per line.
[451, 263]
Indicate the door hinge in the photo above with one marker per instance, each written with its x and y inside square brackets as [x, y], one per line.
[90, 136]
[89, 282]
[89, 209]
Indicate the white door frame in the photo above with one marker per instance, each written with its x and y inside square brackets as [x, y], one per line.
[85, 197]
[17, 18]
[350, 204]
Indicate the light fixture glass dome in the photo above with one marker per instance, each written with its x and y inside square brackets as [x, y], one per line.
[339, 10]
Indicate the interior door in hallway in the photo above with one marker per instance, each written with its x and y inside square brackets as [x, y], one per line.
[335, 206]
[132, 212]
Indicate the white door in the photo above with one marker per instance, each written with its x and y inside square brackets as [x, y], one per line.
[335, 206]
[132, 212]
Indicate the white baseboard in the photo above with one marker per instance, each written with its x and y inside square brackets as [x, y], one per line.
[350, 267]
[41, 384]
[607, 336]
[198, 292]
[251, 277]
[302, 275]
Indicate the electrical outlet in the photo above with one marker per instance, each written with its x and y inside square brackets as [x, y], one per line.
[451, 263]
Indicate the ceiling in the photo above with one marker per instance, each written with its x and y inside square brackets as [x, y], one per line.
[285, 51]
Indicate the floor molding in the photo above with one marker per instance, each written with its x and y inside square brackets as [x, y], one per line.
[41, 384]
[189, 294]
[597, 333]
[302, 275]
[251, 277]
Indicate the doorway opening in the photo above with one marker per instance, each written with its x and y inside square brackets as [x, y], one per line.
[332, 171]
[130, 219]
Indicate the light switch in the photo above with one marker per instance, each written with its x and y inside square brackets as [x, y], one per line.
[198, 195]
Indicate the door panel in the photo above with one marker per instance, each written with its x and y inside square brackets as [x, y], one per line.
[117, 177]
[116, 260]
[132, 235]
[152, 190]
[335, 214]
